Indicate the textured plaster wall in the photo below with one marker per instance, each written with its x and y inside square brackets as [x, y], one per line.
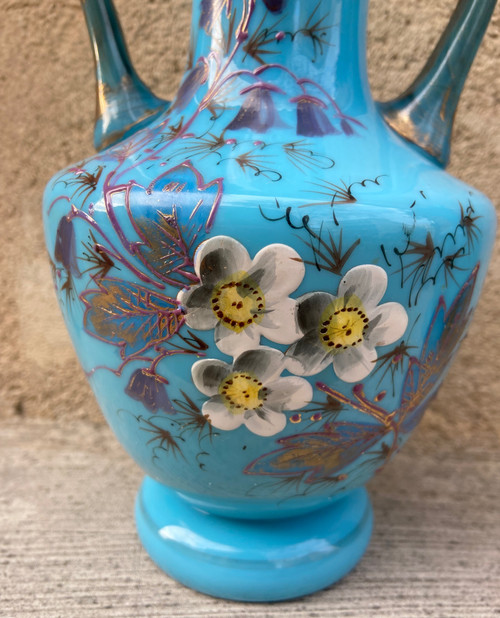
[47, 106]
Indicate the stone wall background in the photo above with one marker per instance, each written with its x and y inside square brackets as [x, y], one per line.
[47, 107]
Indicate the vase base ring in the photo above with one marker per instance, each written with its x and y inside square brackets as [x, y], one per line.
[253, 560]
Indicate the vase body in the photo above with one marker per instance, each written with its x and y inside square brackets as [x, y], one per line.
[266, 285]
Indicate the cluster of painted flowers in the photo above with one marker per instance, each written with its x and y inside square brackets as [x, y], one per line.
[243, 299]
[258, 112]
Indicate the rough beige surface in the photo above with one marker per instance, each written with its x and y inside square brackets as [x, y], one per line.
[69, 551]
[47, 105]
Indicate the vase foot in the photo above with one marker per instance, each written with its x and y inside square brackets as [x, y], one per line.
[252, 560]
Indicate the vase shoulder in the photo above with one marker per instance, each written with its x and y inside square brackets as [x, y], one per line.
[373, 167]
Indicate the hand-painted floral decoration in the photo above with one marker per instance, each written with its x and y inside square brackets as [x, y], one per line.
[197, 76]
[250, 391]
[210, 11]
[257, 111]
[149, 388]
[243, 298]
[311, 119]
[345, 329]
[275, 6]
[65, 247]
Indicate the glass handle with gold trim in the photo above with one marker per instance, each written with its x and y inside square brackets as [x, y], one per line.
[424, 113]
[124, 103]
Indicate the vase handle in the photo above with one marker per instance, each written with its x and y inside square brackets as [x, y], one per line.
[424, 113]
[124, 103]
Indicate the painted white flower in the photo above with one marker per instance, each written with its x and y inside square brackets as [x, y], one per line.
[345, 329]
[250, 391]
[241, 298]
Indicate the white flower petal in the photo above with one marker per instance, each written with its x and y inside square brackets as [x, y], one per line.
[219, 416]
[310, 308]
[263, 362]
[307, 356]
[208, 373]
[233, 343]
[354, 364]
[218, 257]
[290, 393]
[268, 423]
[388, 323]
[280, 323]
[278, 270]
[199, 314]
[367, 282]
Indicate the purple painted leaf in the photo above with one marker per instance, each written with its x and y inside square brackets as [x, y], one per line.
[129, 315]
[65, 246]
[149, 389]
[194, 79]
[446, 330]
[414, 399]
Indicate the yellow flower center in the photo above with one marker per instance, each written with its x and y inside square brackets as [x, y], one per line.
[238, 303]
[343, 324]
[242, 392]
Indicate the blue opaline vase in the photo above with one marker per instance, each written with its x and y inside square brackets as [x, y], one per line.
[265, 281]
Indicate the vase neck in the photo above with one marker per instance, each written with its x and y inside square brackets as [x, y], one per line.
[319, 40]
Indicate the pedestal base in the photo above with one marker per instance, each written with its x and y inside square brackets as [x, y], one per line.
[252, 560]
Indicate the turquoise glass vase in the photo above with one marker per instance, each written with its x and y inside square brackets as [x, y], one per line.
[266, 280]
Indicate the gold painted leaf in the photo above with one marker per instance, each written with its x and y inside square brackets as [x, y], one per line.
[318, 456]
[130, 315]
